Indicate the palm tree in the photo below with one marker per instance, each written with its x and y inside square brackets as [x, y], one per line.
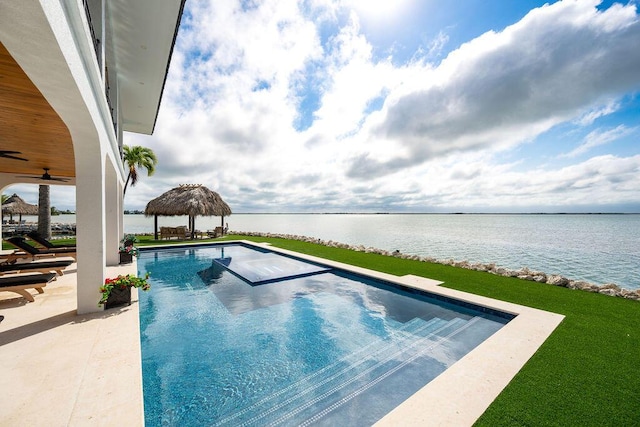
[44, 211]
[141, 157]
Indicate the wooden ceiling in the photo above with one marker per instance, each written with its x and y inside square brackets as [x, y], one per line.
[29, 125]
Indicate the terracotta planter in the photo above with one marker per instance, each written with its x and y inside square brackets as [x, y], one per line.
[118, 297]
[126, 258]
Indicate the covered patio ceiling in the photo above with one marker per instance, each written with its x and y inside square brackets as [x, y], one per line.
[32, 128]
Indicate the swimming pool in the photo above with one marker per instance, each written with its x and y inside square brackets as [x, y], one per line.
[237, 335]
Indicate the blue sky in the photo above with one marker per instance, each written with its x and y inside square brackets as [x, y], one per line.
[403, 106]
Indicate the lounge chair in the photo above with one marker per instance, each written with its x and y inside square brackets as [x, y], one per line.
[20, 243]
[11, 258]
[40, 266]
[19, 283]
[39, 238]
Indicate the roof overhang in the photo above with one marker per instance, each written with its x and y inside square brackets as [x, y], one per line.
[144, 33]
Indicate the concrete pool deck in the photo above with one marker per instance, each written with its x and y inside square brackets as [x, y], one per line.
[60, 369]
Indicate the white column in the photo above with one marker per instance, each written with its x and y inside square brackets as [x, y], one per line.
[90, 230]
[120, 209]
[113, 212]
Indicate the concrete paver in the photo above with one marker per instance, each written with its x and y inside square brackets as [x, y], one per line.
[61, 369]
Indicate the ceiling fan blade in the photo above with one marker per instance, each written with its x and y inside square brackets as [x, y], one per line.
[44, 177]
[10, 155]
[47, 177]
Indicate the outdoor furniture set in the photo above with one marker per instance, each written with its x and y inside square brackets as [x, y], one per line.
[17, 273]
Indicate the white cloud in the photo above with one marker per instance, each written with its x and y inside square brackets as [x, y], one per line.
[599, 111]
[385, 136]
[599, 137]
[483, 183]
[508, 87]
[437, 44]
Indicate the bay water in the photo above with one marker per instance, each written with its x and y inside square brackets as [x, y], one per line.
[598, 248]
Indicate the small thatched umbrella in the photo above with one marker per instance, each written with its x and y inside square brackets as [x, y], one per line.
[15, 205]
[187, 199]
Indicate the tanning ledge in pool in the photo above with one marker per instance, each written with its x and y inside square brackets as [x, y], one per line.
[265, 269]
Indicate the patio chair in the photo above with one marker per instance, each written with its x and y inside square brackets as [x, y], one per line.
[39, 238]
[217, 232]
[40, 266]
[19, 283]
[183, 232]
[20, 243]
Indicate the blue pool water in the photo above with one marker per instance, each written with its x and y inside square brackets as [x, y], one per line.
[237, 336]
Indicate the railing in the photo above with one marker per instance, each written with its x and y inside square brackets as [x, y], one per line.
[96, 41]
[107, 89]
[105, 73]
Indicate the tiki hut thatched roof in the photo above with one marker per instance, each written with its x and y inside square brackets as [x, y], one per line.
[191, 200]
[14, 205]
[187, 199]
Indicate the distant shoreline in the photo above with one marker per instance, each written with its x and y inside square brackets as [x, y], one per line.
[389, 213]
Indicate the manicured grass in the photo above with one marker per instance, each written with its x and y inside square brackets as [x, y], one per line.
[65, 241]
[585, 374]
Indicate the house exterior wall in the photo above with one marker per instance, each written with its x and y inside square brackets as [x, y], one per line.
[70, 50]
[50, 40]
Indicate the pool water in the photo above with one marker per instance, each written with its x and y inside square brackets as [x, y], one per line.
[239, 336]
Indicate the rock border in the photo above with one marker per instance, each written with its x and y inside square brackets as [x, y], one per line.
[610, 289]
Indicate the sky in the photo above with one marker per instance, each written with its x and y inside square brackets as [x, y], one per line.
[401, 106]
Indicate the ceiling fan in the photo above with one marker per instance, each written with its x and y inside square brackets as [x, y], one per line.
[8, 154]
[45, 176]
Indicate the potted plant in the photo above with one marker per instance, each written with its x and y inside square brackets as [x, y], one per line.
[117, 291]
[127, 249]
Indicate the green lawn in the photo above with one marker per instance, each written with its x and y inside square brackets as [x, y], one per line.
[585, 374]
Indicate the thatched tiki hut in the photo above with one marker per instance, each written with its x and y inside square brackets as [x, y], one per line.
[14, 205]
[187, 199]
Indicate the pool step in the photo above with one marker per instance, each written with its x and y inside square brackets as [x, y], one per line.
[374, 385]
[405, 333]
[331, 387]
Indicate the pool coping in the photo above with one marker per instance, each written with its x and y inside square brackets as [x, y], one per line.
[461, 394]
